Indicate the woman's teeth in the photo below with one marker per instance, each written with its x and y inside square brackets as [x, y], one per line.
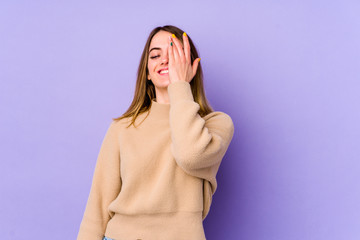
[164, 71]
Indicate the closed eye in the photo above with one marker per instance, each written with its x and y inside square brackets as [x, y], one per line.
[155, 56]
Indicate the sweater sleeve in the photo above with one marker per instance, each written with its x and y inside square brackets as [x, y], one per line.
[198, 144]
[106, 185]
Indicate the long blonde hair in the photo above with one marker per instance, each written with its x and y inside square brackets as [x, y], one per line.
[145, 89]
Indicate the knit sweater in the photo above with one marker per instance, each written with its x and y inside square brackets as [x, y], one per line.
[156, 181]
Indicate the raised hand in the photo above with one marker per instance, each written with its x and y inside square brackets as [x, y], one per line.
[180, 66]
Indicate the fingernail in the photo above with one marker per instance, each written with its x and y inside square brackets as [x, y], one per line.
[184, 34]
[173, 35]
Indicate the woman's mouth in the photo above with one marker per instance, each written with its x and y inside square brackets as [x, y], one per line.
[164, 72]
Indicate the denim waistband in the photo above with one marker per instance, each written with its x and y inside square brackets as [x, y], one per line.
[106, 238]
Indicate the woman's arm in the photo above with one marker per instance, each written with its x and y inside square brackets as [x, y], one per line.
[198, 144]
[106, 185]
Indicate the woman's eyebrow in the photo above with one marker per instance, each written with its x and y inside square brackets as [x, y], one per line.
[155, 48]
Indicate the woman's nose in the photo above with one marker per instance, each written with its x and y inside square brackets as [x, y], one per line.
[165, 59]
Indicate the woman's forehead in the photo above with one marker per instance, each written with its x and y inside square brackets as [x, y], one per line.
[160, 39]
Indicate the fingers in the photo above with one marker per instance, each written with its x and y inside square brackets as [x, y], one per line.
[186, 48]
[180, 57]
[178, 49]
[170, 52]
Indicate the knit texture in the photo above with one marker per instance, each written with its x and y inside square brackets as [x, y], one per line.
[156, 181]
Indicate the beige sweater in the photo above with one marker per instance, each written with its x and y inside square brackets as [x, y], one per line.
[156, 181]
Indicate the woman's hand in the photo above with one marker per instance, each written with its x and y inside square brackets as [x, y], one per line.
[180, 67]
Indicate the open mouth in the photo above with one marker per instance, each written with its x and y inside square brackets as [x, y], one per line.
[163, 71]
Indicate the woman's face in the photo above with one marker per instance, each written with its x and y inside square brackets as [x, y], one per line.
[159, 59]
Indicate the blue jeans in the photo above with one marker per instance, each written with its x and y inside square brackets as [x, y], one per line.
[106, 238]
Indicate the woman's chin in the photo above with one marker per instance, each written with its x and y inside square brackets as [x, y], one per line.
[162, 83]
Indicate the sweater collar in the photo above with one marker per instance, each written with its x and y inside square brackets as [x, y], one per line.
[160, 109]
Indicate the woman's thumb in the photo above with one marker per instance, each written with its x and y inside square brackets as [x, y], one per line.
[195, 65]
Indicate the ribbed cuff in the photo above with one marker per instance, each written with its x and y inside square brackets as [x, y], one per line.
[180, 90]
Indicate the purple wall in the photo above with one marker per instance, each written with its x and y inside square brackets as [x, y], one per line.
[286, 71]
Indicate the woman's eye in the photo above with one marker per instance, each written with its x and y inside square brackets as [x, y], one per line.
[154, 56]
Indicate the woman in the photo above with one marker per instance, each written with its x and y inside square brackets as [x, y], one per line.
[155, 174]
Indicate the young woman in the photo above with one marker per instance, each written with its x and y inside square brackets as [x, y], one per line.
[156, 170]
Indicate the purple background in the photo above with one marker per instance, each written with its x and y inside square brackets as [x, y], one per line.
[287, 72]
